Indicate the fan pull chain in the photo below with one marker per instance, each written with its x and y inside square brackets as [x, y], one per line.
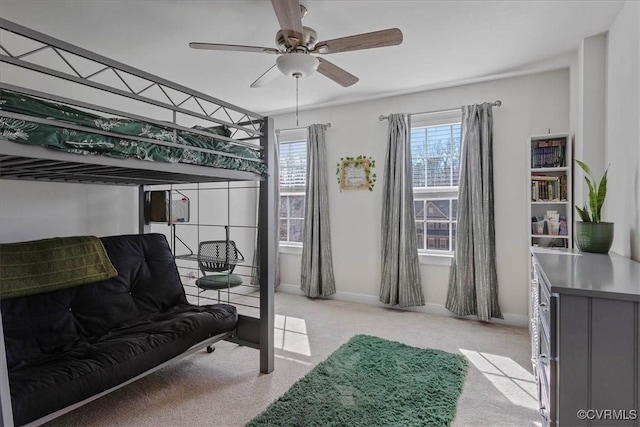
[297, 80]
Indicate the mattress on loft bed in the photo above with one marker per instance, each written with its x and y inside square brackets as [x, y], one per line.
[87, 143]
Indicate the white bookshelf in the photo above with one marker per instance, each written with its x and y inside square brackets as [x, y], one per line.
[550, 164]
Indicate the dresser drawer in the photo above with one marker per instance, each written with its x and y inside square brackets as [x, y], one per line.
[546, 363]
[547, 372]
[535, 343]
[545, 347]
[544, 304]
[543, 396]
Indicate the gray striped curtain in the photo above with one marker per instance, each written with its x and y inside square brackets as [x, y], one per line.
[473, 285]
[401, 284]
[317, 265]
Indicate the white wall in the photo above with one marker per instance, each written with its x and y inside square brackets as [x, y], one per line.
[622, 147]
[532, 105]
[37, 210]
[588, 110]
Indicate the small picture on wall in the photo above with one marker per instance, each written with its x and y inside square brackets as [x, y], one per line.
[354, 173]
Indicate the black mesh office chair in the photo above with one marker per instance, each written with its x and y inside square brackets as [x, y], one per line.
[218, 256]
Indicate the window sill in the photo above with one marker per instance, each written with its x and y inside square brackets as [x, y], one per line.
[436, 259]
[290, 249]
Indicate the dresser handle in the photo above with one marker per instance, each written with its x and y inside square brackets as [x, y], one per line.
[542, 411]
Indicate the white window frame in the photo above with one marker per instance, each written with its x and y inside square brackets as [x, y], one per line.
[284, 137]
[436, 193]
[289, 218]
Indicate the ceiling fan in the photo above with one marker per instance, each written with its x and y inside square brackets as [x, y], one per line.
[296, 44]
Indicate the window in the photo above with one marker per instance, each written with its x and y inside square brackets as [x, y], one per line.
[435, 152]
[293, 180]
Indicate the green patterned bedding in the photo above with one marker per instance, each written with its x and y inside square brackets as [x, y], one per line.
[87, 143]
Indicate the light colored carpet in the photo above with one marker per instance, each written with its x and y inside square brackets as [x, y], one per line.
[226, 389]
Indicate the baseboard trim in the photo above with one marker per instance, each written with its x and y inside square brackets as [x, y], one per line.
[439, 309]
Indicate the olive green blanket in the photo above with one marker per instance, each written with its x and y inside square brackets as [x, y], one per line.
[40, 266]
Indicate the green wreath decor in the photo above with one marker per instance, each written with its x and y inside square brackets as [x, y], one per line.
[361, 161]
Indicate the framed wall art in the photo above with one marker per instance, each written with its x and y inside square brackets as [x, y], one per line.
[355, 173]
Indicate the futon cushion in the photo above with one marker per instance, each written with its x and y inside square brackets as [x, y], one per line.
[148, 282]
[219, 281]
[101, 362]
[67, 345]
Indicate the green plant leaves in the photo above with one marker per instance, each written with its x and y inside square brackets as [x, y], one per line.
[593, 198]
[584, 167]
[602, 193]
[597, 194]
[584, 214]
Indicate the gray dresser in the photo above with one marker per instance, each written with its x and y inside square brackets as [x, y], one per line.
[585, 333]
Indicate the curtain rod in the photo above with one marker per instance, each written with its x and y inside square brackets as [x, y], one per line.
[328, 125]
[495, 104]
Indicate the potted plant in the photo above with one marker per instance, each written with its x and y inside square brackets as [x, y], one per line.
[592, 234]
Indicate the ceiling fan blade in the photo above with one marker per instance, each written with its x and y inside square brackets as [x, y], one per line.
[382, 38]
[266, 77]
[337, 74]
[233, 47]
[289, 18]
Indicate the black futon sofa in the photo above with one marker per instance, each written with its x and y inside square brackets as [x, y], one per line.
[66, 346]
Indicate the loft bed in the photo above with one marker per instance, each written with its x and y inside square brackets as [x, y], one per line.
[185, 136]
[229, 127]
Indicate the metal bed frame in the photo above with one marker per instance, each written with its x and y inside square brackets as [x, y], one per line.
[249, 129]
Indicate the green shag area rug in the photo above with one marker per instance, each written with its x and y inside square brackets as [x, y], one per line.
[370, 381]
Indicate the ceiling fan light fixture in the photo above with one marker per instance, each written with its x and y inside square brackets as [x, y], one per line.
[297, 44]
[297, 64]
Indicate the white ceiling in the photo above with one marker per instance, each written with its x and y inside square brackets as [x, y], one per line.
[445, 42]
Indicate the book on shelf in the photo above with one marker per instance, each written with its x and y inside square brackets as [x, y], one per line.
[548, 188]
[542, 177]
[559, 142]
[548, 153]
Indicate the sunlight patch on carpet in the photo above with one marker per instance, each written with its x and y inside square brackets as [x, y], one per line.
[512, 380]
[370, 381]
[291, 359]
[290, 334]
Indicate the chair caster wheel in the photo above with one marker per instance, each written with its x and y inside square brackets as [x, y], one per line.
[210, 349]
